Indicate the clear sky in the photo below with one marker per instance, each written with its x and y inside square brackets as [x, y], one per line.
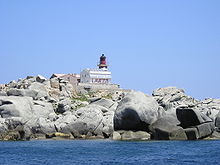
[148, 44]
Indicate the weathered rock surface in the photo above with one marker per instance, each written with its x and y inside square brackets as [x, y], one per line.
[13, 106]
[22, 92]
[59, 135]
[107, 103]
[42, 109]
[40, 88]
[205, 129]
[41, 126]
[130, 135]
[189, 124]
[191, 117]
[64, 105]
[166, 128]
[136, 111]
[172, 97]
[89, 118]
[12, 129]
[35, 107]
[40, 79]
[211, 108]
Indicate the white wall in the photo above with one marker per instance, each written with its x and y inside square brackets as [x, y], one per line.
[92, 75]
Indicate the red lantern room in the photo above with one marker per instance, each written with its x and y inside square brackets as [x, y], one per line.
[102, 63]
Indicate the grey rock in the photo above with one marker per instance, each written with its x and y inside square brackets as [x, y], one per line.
[54, 94]
[42, 109]
[135, 112]
[62, 121]
[116, 136]
[46, 83]
[66, 90]
[210, 107]
[40, 88]
[217, 120]
[191, 117]
[12, 84]
[130, 135]
[30, 93]
[107, 103]
[103, 109]
[192, 133]
[14, 106]
[90, 118]
[69, 118]
[127, 135]
[52, 116]
[215, 135]
[13, 130]
[166, 129]
[3, 126]
[94, 99]
[118, 95]
[41, 126]
[212, 114]
[54, 83]
[40, 79]
[107, 124]
[113, 107]
[205, 129]
[172, 96]
[139, 135]
[15, 92]
[30, 77]
[64, 105]
[22, 92]
[2, 93]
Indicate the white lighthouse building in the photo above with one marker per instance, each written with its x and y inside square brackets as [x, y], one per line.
[97, 76]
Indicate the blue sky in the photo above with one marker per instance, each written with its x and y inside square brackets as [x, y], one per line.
[148, 44]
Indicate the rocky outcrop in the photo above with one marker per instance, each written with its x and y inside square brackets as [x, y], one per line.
[35, 107]
[90, 121]
[211, 108]
[136, 111]
[12, 129]
[172, 97]
[191, 117]
[166, 128]
[33, 103]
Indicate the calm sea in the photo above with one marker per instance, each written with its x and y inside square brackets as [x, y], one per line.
[109, 152]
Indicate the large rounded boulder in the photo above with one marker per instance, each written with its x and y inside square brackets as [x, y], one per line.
[14, 106]
[136, 111]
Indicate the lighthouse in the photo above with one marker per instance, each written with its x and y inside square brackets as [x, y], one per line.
[101, 75]
[102, 62]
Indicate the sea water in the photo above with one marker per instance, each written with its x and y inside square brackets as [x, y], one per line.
[104, 152]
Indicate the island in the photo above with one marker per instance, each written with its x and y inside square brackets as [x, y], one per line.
[89, 106]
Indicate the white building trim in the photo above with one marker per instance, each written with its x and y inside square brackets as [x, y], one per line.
[102, 76]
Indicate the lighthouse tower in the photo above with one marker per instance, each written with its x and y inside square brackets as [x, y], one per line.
[97, 76]
[102, 63]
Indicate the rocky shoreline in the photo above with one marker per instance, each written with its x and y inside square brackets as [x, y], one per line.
[40, 108]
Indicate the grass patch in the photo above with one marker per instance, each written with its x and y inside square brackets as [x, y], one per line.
[80, 98]
[109, 96]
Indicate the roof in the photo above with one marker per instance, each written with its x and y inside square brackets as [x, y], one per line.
[64, 75]
[57, 75]
[97, 71]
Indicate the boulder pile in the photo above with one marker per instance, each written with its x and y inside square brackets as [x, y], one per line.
[169, 114]
[39, 108]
